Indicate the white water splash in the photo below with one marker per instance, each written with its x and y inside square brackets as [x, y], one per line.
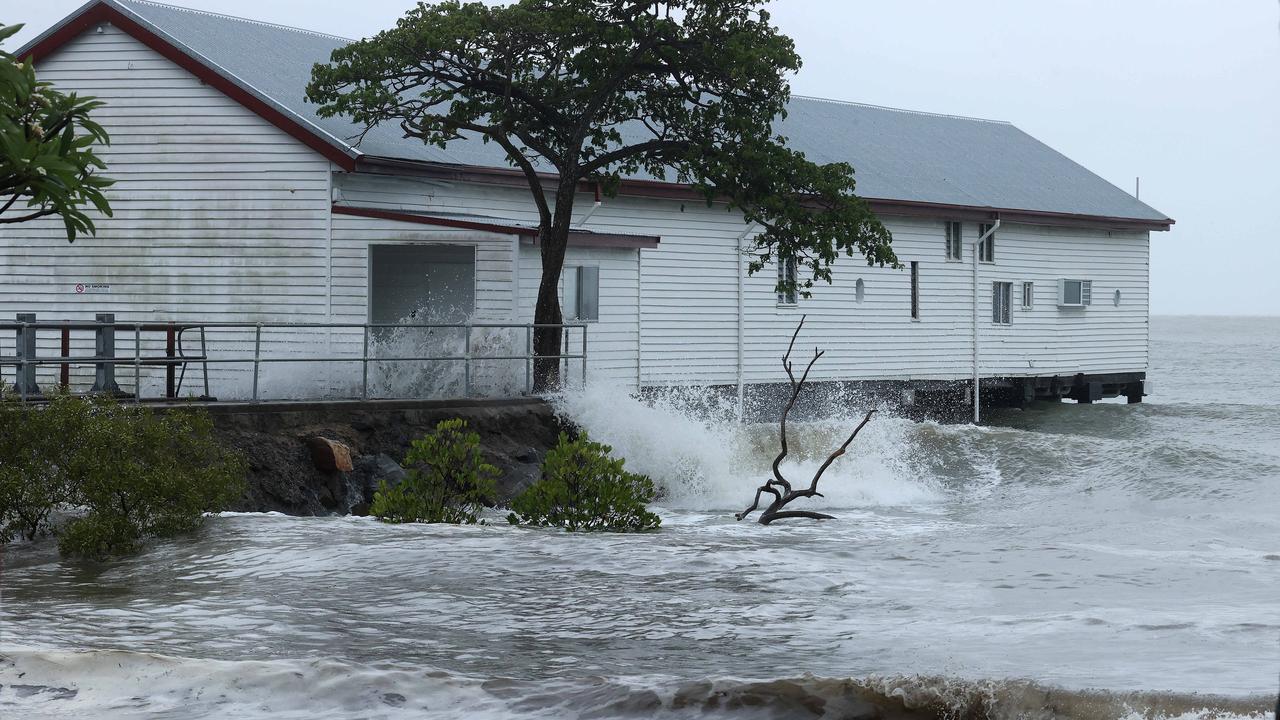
[691, 442]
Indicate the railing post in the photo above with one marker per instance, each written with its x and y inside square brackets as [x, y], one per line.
[171, 368]
[257, 357]
[64, 371]
[25, 384]
[137, 362]
[584, 357]
[528, 360]
[364, 366]
[104, 347]
[466, 362]
[204, 353]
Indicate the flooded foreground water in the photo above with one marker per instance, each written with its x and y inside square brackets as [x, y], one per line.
[1067, 562]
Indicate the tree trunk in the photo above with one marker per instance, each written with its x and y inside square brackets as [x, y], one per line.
[552, 243]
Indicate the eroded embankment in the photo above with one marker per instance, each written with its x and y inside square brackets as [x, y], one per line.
[290, 447]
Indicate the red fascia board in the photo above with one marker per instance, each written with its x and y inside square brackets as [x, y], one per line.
[103, 13]
[436, 221]
[528, 236]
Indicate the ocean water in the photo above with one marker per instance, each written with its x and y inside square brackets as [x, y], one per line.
[1103, 561]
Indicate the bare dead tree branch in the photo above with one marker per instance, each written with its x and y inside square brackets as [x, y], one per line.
[778, 486]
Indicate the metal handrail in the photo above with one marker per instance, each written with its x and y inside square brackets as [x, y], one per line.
[180, 359]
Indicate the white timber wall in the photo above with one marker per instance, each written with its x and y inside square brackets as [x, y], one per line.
[612, 340]
[688, 294]
[218, 215]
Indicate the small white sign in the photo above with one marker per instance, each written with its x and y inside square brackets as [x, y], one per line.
[92, 288]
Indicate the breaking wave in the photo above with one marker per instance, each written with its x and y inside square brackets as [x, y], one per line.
[122, 684]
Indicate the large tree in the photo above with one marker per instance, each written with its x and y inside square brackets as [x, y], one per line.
[47, 139]
[579, 92]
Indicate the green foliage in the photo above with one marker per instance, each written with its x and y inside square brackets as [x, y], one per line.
[135, 473]
[687, 90]
[47, 139]
[584, 488]
[448, 480]
[45, 458]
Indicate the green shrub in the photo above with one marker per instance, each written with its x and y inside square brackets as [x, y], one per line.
[42, 461]
[447, 480]
[584, 488]
[153, 475]
[135, 473]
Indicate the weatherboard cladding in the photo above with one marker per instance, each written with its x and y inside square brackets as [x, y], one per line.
[899, 155]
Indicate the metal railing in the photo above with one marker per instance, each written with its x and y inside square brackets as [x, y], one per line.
[177, 358]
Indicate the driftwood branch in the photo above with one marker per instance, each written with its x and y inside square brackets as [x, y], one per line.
[779, 486]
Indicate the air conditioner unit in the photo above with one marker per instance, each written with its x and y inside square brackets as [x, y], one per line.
[1075, 293]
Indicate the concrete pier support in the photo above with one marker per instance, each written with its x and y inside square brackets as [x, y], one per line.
[104, 346]
[26, 350]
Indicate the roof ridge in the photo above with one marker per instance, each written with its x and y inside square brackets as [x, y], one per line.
[901, 110]
[237, 18]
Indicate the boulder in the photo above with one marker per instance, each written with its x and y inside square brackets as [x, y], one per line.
[329, 455]
[368, 473]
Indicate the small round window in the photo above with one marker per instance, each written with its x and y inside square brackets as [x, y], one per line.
[860, 291]
[1116, 299]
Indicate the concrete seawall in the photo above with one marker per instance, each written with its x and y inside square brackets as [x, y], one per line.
[276, 440]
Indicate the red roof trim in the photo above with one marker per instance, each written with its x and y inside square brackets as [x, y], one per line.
[431, 220]
[528, 236]
[101, 13]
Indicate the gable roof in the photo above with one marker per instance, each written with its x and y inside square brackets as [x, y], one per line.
[903, 159]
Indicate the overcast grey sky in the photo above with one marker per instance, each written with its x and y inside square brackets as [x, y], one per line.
[1184, 93]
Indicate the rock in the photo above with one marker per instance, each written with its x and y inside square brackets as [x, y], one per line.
[329, 455]
[368, 473]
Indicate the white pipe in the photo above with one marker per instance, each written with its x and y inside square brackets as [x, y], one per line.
[742, 320]
[594, 207]
[977, 383]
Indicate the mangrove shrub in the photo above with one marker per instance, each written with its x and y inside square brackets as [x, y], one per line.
[447, 481]
[583, 487]
[129, 473]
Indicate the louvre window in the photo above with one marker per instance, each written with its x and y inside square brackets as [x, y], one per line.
[955, 241]
[1075, 293]
[787, 276]
[582, 293]
[915, 290]
[1028, 295]
[986, 248]
[1001, 299]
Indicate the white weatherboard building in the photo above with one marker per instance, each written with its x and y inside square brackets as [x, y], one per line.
[236, 203]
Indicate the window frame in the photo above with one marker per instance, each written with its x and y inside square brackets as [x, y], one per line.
[1001, 302]
[987, 248]
[915, 290]
[787, 267]
[575, 300]
[1028, 294]
[954, 237]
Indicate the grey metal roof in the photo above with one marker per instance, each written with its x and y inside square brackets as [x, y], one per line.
[898, 154]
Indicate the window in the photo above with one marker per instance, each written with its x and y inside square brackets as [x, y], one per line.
[1075, 293]
[1028, 295]
[915, 290]
[955, 241]
[787, 276]
[986, 248]
[859, 291]
[582, 293]
[1001, 299]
